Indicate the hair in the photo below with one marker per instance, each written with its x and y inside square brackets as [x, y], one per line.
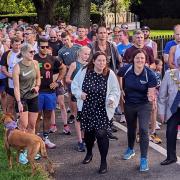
[116, 27]
[42, 40]
[176, 26]
[64, 34]
[81, 26]
[137, 51]
[137, 32]
[90, 65]
[82, 48]
[124, 32]
[15, 39]
[24, 49]
[99, 28]
[157, 61]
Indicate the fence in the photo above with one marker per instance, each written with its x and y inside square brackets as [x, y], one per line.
[161, 42]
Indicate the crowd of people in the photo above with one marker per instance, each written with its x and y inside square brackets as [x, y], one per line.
[103, 72]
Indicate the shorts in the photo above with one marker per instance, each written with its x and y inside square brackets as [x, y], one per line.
[69, 88]
[3, 83]
[10, 91]
[30, 105]
[60, 91]
[47, 101]
[73, 98]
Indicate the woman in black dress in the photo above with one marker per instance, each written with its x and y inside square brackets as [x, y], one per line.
[97, 91]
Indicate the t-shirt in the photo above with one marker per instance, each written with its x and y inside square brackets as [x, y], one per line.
[84, 42]
[168, 46]
[136, 86]
[48, 66]
[122, 48]
[68, 55]
[56, 46]
[129, 52]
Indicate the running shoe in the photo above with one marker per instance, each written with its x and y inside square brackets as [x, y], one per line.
[49, 144]
[53, 128]
[66, 130]
[155, 139]
[23, 158]
[144, 165]
[71, 119]
[129, 153]
[81, 147]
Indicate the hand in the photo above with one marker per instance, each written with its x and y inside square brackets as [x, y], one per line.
[20, 107]
[83, 96]
[35, 89]
[151, 95]
[110, 103]
[162, 118]
[122, 96]
[54, 85]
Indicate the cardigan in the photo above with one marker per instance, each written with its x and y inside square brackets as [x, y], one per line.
[113, 91]
[167, 94]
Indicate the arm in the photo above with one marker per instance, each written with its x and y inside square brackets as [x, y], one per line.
[16, 72]
[155, 50]
[171, 57]
[72, 68]
[4, 70]
[38, 76]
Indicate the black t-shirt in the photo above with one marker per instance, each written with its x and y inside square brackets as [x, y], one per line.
[48, 66]
[56, 46]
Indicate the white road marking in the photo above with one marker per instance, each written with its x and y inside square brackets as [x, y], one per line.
[151, 144]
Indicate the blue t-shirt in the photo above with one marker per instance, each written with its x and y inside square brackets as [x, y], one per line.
[122, 48]
[168, 46]
[136, 86]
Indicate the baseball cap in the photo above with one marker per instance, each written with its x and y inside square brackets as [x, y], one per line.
[145, 28]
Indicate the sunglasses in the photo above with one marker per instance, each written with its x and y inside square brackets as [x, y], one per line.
[27, 33]
[43, 47]
[32, 52]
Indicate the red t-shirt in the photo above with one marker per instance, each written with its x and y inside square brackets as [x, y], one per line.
[84, 42]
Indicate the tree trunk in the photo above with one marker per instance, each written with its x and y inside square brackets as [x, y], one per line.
[80, 12]
[45, 11]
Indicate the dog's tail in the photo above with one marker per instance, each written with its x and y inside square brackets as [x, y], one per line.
[43, 149]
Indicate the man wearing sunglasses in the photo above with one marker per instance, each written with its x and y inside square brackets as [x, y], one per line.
[47, 97]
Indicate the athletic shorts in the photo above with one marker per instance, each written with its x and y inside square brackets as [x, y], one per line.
[10, 91]
[47, 101]
[30, 105]
[3, 83]
[60, 91]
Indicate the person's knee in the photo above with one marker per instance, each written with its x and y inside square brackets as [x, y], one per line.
[143, 132]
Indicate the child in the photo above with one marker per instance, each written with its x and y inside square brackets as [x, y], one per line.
[154, 123]
[83, 56]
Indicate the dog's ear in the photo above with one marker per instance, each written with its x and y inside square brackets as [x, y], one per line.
[2, 118]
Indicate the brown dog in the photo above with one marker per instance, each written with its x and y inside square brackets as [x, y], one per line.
[22, 140]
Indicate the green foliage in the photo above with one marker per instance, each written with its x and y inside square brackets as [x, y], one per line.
[16, 6]
[20, 15]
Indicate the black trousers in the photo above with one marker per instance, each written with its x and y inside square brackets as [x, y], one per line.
[142, 113]
[102, 141]
[171, 134]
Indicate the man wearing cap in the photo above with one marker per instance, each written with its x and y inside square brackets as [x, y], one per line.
[148, 42]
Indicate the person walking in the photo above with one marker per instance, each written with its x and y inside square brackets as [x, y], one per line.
[97, 91]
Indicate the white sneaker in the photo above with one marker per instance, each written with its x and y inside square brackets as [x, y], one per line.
[158, 123]
[122, 119]
[157, 126]
[49, 144]
[178, 135]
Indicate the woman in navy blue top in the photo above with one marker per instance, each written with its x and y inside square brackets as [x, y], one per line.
[139, 97]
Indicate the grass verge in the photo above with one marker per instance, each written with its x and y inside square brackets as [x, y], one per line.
[19, 171]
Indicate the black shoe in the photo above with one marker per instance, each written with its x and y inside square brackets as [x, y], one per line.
[87, 159]
[103, 168]
[168, 161]
[111, 136]
[71, 119]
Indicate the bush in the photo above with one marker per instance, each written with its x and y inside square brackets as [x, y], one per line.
[161, 23]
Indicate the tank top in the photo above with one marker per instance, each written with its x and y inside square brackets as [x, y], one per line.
[27, 80]
[150, 44]
[177, 54]
[78, 67]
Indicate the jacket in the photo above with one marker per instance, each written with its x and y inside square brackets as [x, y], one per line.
[113, 91]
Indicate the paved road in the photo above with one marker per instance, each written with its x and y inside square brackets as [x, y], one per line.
[69, 167]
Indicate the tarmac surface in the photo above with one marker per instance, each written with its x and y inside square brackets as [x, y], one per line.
[68, 161]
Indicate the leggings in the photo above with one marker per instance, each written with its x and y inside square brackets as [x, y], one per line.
[102, 141]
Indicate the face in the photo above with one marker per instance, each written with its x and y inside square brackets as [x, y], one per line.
[28, 35]
[16, 46]
[66, 41]
[62, 25]
[139, 39]
[53, 36]
[116, 31]
[11, 34]
[84, 54]
[139, 60]
[122, 37]
[8, 42]
[146, 34]
[159, 66]
[19, 34]
[100, 63]
[177, 34]
[29, 54]
[43, 48]
[81, 32]
[102, 34]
